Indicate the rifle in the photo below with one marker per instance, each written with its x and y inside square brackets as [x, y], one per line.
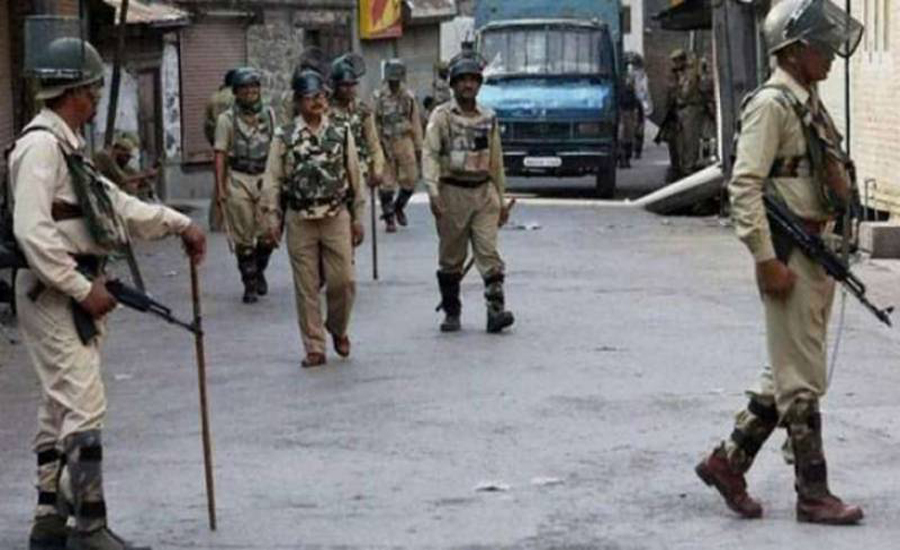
[815, 249]
[129, 297]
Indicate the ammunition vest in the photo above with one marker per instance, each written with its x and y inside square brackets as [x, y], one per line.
[315, 167]
[466, 151]
[250, 140]
[818, 133]
[394, 113]
[356, 120]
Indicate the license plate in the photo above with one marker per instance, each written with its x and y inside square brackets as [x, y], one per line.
[542, 162]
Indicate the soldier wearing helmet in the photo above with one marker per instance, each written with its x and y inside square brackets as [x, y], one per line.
[114, 162]
[67, 220]
[463, 172]
[790, 150]
[347, 108]
[220, 101]
[314, 165]
[400, 129]
[250, 208]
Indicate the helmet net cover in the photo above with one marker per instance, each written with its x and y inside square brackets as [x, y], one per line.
[819, 22]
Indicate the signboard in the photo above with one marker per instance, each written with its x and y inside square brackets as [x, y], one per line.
[380, 19]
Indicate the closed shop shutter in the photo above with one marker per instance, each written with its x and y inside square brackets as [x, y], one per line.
[6, 93]
[208, 50]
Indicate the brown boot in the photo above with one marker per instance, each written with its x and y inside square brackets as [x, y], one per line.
[313, 360]
[815, 503]
[715, 471]
[341, 345]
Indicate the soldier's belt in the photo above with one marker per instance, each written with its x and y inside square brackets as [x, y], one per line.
[297, 204]
[791, 167]
[247, 166]
[61, 211]
[468, 184]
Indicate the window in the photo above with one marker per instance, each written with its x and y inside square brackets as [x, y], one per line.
[545, 51]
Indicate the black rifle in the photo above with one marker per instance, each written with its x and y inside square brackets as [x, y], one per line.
[129, 297]
[812, 245]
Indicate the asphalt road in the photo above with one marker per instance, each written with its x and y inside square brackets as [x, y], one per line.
[577, 429]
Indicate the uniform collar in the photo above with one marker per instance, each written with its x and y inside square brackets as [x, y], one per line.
[49, 118]
[454, 106]
[302, 125]
[780, 76]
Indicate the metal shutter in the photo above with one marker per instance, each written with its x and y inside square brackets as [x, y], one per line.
[6, 93]
[208, 50]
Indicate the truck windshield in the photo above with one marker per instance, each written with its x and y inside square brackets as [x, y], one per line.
[545, 51]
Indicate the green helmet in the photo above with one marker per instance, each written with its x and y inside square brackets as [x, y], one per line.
[467, 62]
[65, 63]
[245, 76]
[394, 70]
[307, 82]
[347, 69]
[817, 22]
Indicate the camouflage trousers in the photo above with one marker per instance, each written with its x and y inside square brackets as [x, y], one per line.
[325, 241]
[251, 210]
[469, 216]
[400, 167]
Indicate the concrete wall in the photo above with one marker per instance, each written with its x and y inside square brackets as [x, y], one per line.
[634, 41]
[126, 108]
[453, 33]
[420, 49]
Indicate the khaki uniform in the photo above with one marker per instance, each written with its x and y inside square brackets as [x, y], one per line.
[252, 205]
[462, 165]
[361, 120]
[73, 399]
[318, 175]
[400, 130]
[106, 164]
[796, 327]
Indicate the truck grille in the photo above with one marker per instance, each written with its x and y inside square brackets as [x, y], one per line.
[541, 130]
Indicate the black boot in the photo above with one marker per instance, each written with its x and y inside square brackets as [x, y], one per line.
[84, 458]
[497, 316]
[48, 531]
[263, 253]
[815, 503]
[387, 210]
[450, 303]
[246, 258]
[400, 205]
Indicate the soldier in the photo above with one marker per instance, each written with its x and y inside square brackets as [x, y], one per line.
[645, 102]
[221, 100]
[347, 108]
[114, 164]
[243, 136]
[313, 162]
[400, 130]
[440, 88]
[629, 108]
[670, 129]
[67, 220]
[789, 149]
[463, 171]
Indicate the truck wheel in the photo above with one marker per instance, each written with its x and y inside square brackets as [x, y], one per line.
[606, 181]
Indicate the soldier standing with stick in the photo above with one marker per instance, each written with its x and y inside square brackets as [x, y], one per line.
[67, 220]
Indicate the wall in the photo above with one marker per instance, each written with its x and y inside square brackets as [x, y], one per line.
[634, 41]
[7, 130]
[171, 89]
[453, 32]
[420, 49]
[274, 47]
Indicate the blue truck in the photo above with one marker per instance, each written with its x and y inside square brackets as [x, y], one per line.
[552, 78]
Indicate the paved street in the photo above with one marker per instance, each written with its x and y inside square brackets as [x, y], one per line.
[634, 338]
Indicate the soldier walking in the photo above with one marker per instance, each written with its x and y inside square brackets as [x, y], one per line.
[463, 171]
[347, 108]
[314, 164]
[114, 164]
[400, 130]
[243, 136]
[67, 220]
[221, 100]
[789, 150]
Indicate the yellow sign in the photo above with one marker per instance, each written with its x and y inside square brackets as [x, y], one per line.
[380, 19]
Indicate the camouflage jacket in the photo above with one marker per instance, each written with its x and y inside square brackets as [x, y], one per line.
[397, 116]
[317, 172]
[361, 120]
